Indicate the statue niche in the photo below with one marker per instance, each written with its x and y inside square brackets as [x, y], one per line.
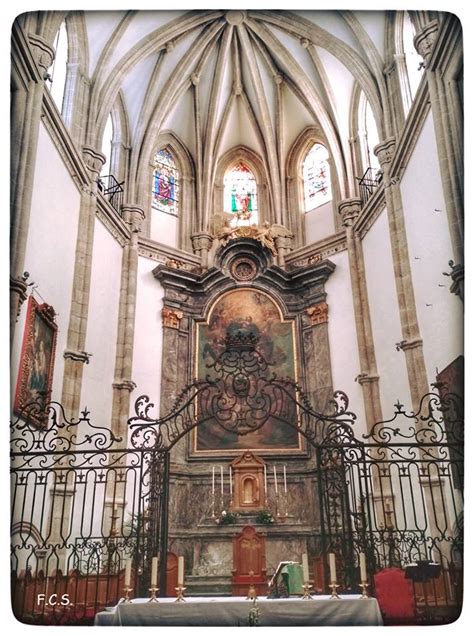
[248, 472]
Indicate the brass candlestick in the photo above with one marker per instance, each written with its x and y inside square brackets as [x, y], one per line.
[334, 587]
[127, 591]
[364, 585]
[153, 591]
[306, 589]
[180, 594]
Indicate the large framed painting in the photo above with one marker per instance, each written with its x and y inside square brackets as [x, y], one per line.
[247, 309]
[35, 374]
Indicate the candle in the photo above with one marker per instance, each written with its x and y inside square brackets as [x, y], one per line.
[363, 568]
[181, 570]
[213, 481]
[265, 481]
[332, 567]
[275, 477]
[128, 572]
[284, 478]
[222, 481]
[305, 567]
[154, 571]
[230, 481]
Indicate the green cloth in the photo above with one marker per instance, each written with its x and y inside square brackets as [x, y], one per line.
[293, 577]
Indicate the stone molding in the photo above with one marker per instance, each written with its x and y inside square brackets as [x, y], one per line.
[385, 152]
[171, 317]
[310, 254]
[42, 51]
[424, 41]
[162, 253]
[457, 276]
[111, 221]
[366, 378]
[133, 216]
[93, 159]
[349, 209]
[126, 385]
[318, 313]
[406, 345]
[19, 286]
[77, 356]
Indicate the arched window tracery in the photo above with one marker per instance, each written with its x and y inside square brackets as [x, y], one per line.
[166, 182]
[240, 195]
[56, 80]
[316, 177]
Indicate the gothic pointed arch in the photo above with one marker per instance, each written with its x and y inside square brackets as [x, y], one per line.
[144, 187]
[295, 187]
[249, 158]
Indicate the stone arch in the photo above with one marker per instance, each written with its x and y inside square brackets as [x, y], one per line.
[294, 175]
[143, 186]
[257, 166]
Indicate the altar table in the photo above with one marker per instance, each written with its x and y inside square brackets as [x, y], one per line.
[234, 611]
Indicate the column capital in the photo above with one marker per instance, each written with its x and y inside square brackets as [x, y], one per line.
[425, 39]
[133, 215]
[93, 159]
[124, 385]
[202, 241]
[384, 152]
[43, 52]
[77, 356]
[171, 317]
[318, 313]
[349, 209]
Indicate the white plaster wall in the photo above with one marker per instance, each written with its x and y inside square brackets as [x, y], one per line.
[164, 228]
[319, 223]
[343, 338]
[50, 249]
[439, 311]
[146, 372]
[101, 339]
[385, 316]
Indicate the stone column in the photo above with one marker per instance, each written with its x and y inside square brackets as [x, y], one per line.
[123, 384]
[169, 383]
[411, 343]
[448, 138]
[32, 58]
[349, 210]
[202, 244]
[74, 355]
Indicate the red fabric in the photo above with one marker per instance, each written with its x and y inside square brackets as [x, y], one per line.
[394, 594]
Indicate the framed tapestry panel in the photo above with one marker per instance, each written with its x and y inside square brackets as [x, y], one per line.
[256, 312]
[35, 374]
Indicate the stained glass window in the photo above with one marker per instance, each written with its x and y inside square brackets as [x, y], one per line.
[316, 178]
[165, 182]
[240, 194]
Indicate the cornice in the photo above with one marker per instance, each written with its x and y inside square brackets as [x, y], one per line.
[370, 212]
[58, 132]
[317, 251]
[408, 138]
[111, 221]
[179, 259]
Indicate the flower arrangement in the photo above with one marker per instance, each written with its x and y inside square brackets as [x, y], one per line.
[227, 518]
[265, 517]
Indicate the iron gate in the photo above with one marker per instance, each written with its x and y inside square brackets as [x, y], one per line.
[85, 502]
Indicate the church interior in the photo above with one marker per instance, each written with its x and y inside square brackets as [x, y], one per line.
[236, 295]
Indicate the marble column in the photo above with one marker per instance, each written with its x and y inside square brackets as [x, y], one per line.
[317, 355]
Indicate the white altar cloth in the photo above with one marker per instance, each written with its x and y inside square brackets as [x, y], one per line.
[234, 611]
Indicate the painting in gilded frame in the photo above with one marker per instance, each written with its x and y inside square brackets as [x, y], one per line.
[35, 375]
[255, 311]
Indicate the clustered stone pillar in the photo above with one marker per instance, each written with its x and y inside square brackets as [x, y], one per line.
[27, 99]
[123, 384]
[447, 114]
[74, 355]
[349, 210]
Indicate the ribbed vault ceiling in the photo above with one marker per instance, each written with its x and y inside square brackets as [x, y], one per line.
[224, 78]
